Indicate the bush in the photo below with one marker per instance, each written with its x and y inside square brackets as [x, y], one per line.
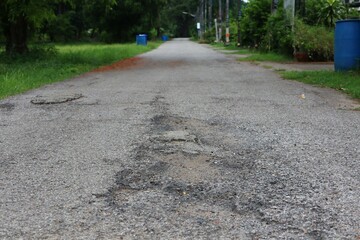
[37, 52]
[153, 34]
[43, 51]
[60, 28]
[278, 34]
[209, 36]
[352, 13]
[316, 41]
[313, 9]
[253, 22]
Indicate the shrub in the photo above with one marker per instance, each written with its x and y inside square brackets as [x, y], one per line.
[209, 36]
[36, 52]
[352, 13]
[253, 22]
[278, 34]
[316, 41]
[60, 28]
[153, 34]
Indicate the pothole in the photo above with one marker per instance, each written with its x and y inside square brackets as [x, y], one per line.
[177, 162]
[7, 106]
[56, 99]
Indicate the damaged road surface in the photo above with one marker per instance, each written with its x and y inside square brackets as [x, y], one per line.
[185, 144]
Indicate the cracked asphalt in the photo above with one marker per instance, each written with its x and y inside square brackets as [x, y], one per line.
[185, 144]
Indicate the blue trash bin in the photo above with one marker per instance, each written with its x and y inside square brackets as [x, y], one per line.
[141, 39]
[347, 45]
[165, 38]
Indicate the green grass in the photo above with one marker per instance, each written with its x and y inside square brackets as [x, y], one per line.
[254, 55]
[232, 47]
[20, 74]
[348, 82]
[223, 47]
[266, 57]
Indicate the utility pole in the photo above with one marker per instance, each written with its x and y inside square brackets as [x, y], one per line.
[216, 31]
[220, 20]
[227, 23]
[201, 18]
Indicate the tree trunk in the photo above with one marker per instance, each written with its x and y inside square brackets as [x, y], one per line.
[16, 34]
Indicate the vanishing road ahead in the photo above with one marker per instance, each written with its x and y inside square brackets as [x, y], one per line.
[180, 143]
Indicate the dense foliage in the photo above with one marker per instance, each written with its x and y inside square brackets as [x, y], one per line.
[91, 20]
[317, 41]
[262, 26]
[253, 22]
[312, 33]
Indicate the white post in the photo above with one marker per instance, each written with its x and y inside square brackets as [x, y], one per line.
[217, 31]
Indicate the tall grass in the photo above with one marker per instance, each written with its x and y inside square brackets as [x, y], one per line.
[19, 74]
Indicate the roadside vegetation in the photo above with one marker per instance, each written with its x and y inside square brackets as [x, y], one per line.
[348, 82]
[268, 27]
[266, 57]
[274, 37]
[252, 55]
[44, 41]
[52, 63]
[266, 31]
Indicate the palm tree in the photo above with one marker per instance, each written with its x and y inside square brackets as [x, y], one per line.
[331, 11]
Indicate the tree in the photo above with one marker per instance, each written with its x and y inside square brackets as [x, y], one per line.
[175, 22]
[313, 8]
[17, 17]
[110, 20]
[253, 22]
[279, 35]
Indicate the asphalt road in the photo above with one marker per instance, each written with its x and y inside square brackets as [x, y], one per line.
[186, 143]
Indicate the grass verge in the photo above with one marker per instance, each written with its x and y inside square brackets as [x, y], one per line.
[231, 47]
[348, 82]
[254, 55]
[20, 74]
[266, 57]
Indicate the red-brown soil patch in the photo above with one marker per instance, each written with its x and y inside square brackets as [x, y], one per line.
[123, 64]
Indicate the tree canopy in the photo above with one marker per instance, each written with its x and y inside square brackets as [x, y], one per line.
[102, 20]
[22, 21]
